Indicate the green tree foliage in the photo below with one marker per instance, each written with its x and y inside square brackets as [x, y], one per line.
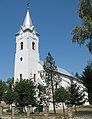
[50, 68]
[10, 82]
[25, 91]
[77, 95]
[41, 88]
[2, 89]
[9, 95]
[61, 96]
[50, 77]
[41, 97]
[87, 80]
[41, 92]
[83, 34]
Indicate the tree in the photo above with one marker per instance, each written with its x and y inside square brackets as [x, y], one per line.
[41, 97]
[2, 89]
[25, 91]
[83, 34]
[50, 78]
[61, 95]
[87, 80]
[9, 95]
[76, 95]
[10, 82]
[41, 92]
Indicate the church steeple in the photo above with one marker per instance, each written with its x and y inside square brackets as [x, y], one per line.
[27, 51]
[27, 21]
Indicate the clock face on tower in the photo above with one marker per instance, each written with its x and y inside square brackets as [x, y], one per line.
[33, 35]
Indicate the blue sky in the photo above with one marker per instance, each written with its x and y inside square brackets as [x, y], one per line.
[54, 20]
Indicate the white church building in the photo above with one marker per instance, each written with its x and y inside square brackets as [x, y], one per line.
[27, 58]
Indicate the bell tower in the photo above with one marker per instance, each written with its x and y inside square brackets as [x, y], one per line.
[27, 51]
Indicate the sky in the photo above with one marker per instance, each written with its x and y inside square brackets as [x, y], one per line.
[54, 20]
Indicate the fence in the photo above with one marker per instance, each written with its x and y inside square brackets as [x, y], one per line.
[29, 112]
[38, 113]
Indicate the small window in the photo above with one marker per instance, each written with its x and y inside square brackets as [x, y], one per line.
[33, 45]
[20, 76]
[21, 45]
[34, 77]
[21, 59]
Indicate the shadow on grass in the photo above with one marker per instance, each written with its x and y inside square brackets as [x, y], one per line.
[83, 113]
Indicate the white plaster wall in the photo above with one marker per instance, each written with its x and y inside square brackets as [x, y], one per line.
[29, 65]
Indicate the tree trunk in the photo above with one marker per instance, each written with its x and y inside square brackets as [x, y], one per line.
[63, 109]
[1, 109]
[21, 109]
[75, 107]
[53, 96]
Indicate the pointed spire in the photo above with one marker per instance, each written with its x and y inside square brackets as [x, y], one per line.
[27, 22]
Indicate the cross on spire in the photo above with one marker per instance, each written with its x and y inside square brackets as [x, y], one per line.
[27, 22]
[28, 5]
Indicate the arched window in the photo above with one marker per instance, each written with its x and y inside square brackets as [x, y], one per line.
[33, 45]
[20, 76]
[21, 59]
[34, 77]
[21, 45]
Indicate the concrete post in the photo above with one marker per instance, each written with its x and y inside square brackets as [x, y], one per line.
[13, 110]
[1, 110]
[28, 111]
[31, 109]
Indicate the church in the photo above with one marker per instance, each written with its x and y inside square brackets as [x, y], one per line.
[27, 58]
